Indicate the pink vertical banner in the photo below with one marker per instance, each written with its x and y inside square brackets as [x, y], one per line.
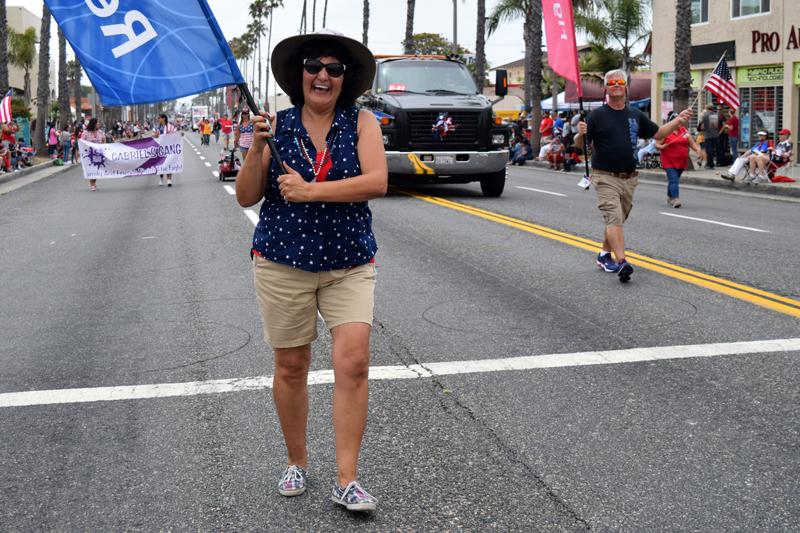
[562, 48]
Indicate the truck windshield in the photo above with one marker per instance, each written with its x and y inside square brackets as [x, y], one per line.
[427, 77]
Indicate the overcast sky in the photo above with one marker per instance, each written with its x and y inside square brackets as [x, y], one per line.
[386, 29]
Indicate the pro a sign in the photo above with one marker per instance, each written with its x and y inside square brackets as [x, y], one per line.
[142, 51]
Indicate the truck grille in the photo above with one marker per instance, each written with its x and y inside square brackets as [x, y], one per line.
[466, 131]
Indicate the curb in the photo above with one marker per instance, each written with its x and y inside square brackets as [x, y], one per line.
[717, 183]
[12, 176]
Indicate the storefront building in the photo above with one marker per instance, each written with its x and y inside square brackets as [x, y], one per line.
[761, 43]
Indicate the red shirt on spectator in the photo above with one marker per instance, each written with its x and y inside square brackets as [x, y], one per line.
[675, 153]
[546, 127]
[226, 125]
[733, 127]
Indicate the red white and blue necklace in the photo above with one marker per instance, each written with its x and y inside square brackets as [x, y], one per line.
[316, 168]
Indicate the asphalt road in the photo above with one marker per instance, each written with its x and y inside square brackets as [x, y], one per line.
[138, 284]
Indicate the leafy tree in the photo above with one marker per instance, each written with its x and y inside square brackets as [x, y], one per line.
[623, 23]
[21, 53]
[20, 109]
[432, 44]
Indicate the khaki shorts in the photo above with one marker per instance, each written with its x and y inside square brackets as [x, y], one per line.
[289, 298]
[614, 197]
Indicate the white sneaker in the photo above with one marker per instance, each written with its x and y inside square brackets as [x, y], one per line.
[160, 181]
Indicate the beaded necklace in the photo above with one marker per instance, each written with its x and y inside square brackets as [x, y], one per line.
[326, 154]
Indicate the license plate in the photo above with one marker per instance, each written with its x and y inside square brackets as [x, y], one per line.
[444, 159]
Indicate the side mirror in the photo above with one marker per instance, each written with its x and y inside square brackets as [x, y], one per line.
[501, 82]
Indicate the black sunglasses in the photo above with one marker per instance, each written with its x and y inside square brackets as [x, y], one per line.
[314, 66]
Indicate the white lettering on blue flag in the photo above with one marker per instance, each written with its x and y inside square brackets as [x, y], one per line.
[147, 50]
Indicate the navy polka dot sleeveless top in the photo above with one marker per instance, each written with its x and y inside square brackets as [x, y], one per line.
[315, 236]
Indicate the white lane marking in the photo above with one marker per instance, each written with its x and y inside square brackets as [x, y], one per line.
[714, 222]
[217, 386]
[202, 158]
[149, 237]
[541, 191]
[252, 215]
[216, 174]
[207, 164]
[230, 190]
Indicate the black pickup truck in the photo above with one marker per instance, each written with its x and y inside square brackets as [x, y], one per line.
[437, 127]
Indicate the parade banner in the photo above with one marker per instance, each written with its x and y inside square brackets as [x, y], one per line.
[139, 157]
[148, 50]
[562, 48]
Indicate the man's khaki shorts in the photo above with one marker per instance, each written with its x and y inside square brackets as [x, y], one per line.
[614, 197]
[289, 298]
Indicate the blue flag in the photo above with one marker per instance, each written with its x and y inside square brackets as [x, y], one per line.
[142, 51]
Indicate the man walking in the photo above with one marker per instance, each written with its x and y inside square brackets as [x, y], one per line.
[612, 130]
[711, 125]
[226, 126]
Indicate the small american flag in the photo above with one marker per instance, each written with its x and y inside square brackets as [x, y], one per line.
[5, 108]
[721, 84]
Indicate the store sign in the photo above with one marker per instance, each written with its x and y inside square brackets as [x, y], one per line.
[668, 80]
[771, 42]
[760, 75]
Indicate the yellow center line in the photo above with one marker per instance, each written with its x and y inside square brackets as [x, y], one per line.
[746, 293]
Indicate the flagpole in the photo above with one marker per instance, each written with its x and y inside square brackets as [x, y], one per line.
[251, 103]
[585, 143]
[706, 83]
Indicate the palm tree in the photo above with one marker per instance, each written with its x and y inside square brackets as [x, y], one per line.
[365, 23]
[480, 46]
[258, 29]
[531, 13]
[270, 9]
[407, 42]
[314, 16]
[622, 22]
[63, 92]
[21, 53]
[683, 68]
[3, 48]
[43, 90]
[74, 74]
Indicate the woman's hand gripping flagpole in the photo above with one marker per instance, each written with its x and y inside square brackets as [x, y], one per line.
[251, 103]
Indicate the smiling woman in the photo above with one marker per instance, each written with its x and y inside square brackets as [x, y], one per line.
[313, 248]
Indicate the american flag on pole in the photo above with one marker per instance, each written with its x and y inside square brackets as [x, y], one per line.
[5, 108]
[721, 84]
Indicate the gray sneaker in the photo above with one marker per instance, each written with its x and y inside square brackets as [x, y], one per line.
[354, 497]
[293, 482]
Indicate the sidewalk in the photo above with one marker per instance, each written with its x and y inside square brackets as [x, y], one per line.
[14, 180]
[712, 178]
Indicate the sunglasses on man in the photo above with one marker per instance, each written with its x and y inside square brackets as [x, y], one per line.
[611, 83]
[314, 66]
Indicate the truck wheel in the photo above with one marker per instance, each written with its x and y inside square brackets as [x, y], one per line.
[492, 184]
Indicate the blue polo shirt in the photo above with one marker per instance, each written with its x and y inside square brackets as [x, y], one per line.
[315, 236]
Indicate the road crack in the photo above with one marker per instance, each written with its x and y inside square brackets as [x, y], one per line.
[407, 358]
